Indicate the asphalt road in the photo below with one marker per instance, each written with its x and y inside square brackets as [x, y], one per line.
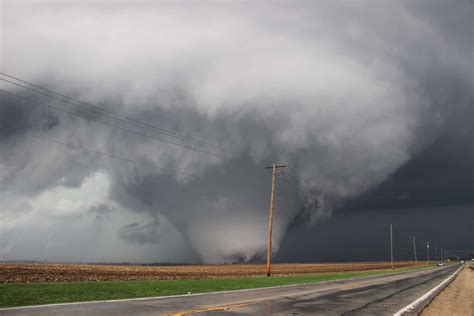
[380, 295]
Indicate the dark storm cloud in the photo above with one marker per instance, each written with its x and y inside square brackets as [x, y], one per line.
[347, 95]
[441, 174]
[364, 235]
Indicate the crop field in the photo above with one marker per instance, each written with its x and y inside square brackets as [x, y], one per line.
[42, 272]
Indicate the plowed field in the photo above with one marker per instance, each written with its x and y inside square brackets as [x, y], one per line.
[39, 272]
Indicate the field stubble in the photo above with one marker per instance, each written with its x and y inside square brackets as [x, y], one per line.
[45, 272]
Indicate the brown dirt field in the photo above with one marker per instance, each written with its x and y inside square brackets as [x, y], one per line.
[41, 272]
[456, 299]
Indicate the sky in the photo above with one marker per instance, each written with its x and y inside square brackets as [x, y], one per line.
[370, 106]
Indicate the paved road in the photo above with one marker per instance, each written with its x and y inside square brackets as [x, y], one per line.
[381, 295]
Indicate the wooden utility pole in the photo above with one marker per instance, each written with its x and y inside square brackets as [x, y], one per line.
[428, 252]
[414, 250]
[436, 253]
[275, 168]
[391, 245]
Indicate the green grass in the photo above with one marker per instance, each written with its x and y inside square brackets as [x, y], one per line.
[16, 294]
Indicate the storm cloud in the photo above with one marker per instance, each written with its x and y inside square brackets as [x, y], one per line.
[344, 94]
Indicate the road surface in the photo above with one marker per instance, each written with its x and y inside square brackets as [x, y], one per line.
[379, 295]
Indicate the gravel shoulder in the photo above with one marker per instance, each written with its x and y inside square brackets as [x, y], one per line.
[455, 299]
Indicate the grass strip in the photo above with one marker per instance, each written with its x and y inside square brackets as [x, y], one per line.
[24, 294]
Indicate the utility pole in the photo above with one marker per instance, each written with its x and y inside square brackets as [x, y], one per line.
[275, 168]
[436, 253]
[428, 253]
[391, 245]
[414, 250]
[442, 254]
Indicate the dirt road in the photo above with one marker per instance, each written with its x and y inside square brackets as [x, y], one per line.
[456, 299]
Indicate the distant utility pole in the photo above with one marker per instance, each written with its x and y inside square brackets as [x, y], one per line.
[275, 169]
[442, 254]
[436, 252]
[414, 250]
[428, 252]
[391, 245]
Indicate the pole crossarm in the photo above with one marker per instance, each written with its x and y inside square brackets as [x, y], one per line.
[276, 166]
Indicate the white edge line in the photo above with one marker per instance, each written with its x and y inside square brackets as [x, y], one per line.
[207, 293]
[419, 300]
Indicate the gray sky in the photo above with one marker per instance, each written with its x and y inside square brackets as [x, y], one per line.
[369, 103]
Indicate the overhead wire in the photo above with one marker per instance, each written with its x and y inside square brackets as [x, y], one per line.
[111, 125]
[98, 152]
[111, 114]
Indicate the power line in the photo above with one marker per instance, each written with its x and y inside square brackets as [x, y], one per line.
[118, 119]
[102, 110]
[112, 125]
[111, 114]
[98, 152]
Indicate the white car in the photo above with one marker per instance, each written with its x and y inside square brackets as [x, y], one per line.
[440, 263]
